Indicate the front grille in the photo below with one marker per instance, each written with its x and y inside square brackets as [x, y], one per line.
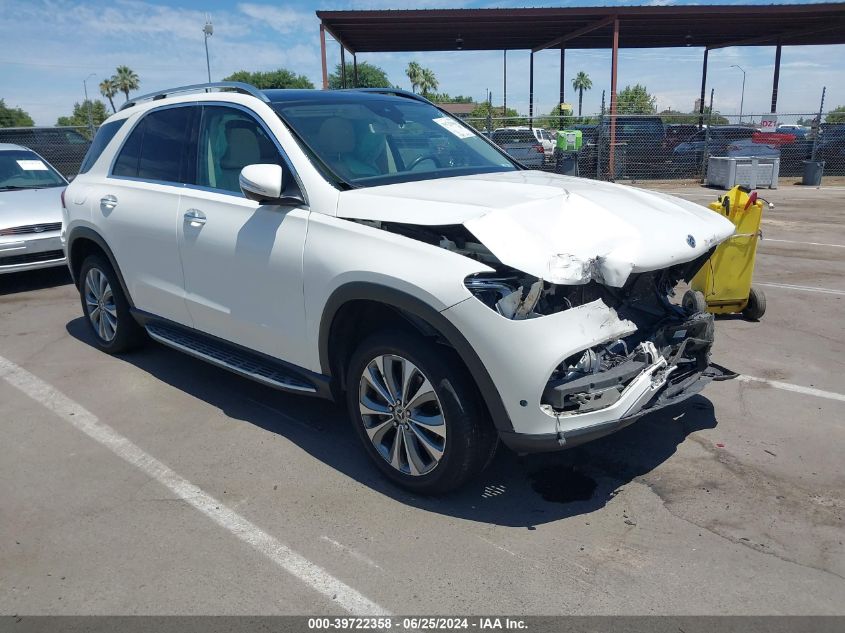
[30, 258]
[32, 228]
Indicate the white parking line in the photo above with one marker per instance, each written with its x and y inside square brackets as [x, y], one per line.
[300, 567]
[786, 386]
[827, 291]
[771, 239]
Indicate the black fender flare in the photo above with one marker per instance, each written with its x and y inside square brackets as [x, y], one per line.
[87, 233]
[417, 310]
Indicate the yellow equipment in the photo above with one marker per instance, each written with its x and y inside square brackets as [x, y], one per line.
[723, 285]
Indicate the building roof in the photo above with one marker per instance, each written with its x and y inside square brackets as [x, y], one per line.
[458, 108]
[586, 27]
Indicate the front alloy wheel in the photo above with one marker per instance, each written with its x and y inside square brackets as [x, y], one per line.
[402, 414]
[417, 412]
[101, 307]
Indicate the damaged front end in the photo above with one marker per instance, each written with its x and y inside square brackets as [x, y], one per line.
[669, 350]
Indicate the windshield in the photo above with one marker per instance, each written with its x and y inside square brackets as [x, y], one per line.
[371, 141]
[23, 169]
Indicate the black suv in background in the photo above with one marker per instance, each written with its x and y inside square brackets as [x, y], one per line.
[63, 147]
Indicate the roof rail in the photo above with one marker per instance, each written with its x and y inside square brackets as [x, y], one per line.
[234, 86]
[394, 91]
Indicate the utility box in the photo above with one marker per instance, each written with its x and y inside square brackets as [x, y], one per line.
[750, 172]
[569, 140]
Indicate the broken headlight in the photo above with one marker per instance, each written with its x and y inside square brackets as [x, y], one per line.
[506, 295]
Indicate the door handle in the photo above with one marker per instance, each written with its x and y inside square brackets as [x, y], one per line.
[195, 217]
[108, 202]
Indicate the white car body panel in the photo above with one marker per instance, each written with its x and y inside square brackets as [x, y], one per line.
[528, 218]
[243, 270]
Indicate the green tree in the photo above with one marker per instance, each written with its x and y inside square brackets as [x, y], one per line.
[369, 76]
[443, 97]
[267, 80]
[428, 82]
[580, 83]
[495, 116]
[126, 80]
[109, 89]
[837, 115]
[675, 116]
[14, 117]
[80, 114]
[414, 74]
[635, 100]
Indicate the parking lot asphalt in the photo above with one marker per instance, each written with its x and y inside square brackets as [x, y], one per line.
[156, 484]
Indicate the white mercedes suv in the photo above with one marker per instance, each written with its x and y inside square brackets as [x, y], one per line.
[365, 245]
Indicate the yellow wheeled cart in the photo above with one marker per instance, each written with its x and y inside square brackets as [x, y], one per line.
[723, 285]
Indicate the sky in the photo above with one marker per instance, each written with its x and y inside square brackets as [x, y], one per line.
[49, 47]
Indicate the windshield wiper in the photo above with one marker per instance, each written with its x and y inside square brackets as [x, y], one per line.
[20, 187]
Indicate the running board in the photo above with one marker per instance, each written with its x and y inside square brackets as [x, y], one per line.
[238, 361]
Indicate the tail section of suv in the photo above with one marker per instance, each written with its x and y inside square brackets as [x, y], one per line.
[366, 246]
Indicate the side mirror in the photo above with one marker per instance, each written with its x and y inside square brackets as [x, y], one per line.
[262, 183]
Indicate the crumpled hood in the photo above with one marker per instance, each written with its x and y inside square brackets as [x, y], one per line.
[559, 228]
[30, 206]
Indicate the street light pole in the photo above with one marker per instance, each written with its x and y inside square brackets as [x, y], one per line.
[742, 97]
[208, 31]
[88, 103]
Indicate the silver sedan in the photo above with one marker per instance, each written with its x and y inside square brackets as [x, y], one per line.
[30, 211]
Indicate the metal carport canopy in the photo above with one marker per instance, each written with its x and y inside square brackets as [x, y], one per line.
[711, 26]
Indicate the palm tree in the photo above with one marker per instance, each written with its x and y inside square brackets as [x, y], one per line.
[581, 82]
[108, 88]
[126, 80]
[428, 82]
[414, 72]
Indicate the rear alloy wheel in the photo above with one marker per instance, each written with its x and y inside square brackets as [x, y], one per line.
[105, 307]
[417, 412]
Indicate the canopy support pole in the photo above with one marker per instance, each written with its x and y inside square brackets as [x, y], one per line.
[531, 91]
[703, 88]
[342, 66]
[504, 83]
[323, 56]
[776, 79]
[614, 69]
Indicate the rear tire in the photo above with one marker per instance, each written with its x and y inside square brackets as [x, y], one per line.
[417, 413]
[694, 301]
[756, 307]
[106, 308]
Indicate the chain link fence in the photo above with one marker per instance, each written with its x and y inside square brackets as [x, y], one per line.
[666, 147]
[62, 147]
[641, 147]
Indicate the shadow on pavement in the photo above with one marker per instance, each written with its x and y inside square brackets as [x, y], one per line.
[514, 491]
[26, 281]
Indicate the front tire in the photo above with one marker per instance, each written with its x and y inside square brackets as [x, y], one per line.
[417, 413]
[106, 308]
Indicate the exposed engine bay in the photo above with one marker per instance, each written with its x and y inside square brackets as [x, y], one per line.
[667, 334]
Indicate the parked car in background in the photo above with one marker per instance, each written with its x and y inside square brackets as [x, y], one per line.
[63, 147]
[831, 149]
[678, 133]
[750, 147]
[640, 146]
[521, 144]
[30, 211]
[687, 157]
[799, 131]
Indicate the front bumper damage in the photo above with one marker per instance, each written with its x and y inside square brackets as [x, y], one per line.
[591, 359]
[667, 370]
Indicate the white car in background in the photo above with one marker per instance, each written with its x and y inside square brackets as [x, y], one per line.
[30, 211]
[362, 245]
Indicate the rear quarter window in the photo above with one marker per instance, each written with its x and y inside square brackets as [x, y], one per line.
[103, 137]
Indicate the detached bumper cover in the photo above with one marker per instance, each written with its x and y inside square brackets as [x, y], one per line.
[674, 390]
